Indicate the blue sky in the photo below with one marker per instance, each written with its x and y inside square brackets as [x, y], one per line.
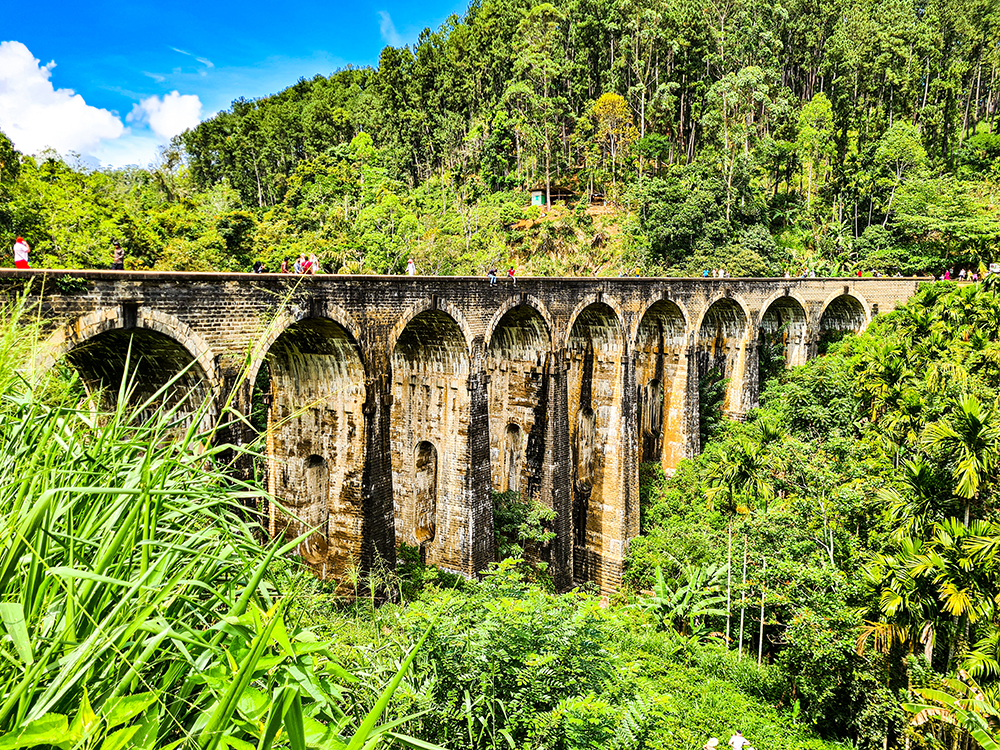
[139, 71]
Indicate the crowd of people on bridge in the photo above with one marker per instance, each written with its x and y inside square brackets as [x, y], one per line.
[309, 265]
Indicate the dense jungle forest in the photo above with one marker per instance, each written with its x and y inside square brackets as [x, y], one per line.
[663, 137]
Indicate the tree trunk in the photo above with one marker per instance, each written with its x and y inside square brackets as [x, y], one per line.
[743, 595]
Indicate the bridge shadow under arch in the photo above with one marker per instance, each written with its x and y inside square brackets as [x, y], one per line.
[782, 338]
[596, 346]
[721, 350]
[517, 364]
[430, 424]
[153, 370]
[661, 383]
[315, 440]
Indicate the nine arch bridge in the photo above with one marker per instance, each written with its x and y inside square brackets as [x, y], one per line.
[395, 404]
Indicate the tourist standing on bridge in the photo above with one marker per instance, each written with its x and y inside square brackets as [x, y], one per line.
[313, 264]
[117, 256]
[411, 268]
[21, 250]
[299, 263]
[511, 276]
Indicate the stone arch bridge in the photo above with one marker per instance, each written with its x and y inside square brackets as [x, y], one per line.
[395, 404]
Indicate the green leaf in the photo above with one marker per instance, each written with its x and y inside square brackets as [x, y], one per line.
[294, 725]
[253, 704]
[119, 739]
[127, 707]
[281, 636]
[85, 719]
[51, 729]
[12, 615]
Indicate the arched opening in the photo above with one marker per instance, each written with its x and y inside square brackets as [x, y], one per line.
[512, 450]
[315, 440]
[845, 314]
[782, 338]
[650, 405]
[661, 377]
[160, 370]
[721, 363]
[425, 476]
[429, 428]
[594, 380]
[314, 513]
[517, 364]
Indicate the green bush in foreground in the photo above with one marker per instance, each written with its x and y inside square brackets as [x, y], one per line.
[137, 606]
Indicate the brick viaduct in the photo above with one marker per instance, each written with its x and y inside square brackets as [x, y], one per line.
[395, 404]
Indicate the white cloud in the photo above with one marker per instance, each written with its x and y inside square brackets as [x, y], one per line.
[169, 115]
[388, 30]
[36, 115]
[203, 60]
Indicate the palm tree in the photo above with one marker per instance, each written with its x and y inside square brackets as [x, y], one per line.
[971, 438]
[923, 501]
[743, 469]
[908, 611]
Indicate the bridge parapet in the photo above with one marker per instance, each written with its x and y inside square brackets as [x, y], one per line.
[397, 404]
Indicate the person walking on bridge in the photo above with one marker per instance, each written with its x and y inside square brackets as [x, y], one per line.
[511, 276]
[21, 250]
[117, 256]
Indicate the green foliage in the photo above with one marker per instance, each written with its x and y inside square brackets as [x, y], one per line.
[138, 604]
[519, 524]
[711, 397]
[687, 597]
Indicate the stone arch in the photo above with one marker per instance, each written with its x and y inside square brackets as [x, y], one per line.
[164, 355]
[783, 323]
[675, 309]
[845, 311]
[661, 382]
[735, 300]
[516, 301]
[430, 364]
[432, 305]
[517, 362]
[287, 318]
[596, 348]
[588, 301]
[105, 319]
[721, 344]
[841, 314]
[315, 413]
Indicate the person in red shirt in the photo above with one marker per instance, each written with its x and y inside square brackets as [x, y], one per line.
[510, 275]
[21, 250]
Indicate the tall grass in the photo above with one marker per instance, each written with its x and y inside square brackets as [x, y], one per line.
[136, 604]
